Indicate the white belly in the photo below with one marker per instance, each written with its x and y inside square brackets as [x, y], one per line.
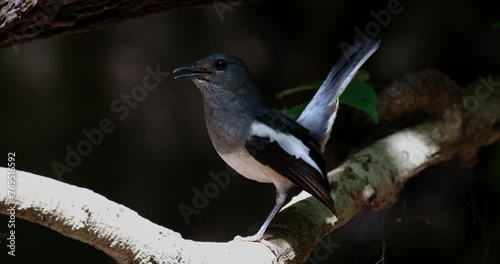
[251, 169]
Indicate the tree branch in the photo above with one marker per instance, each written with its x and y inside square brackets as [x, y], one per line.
[25, 20]
[372, 177]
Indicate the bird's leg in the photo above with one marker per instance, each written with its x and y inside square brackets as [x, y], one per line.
[280, 200]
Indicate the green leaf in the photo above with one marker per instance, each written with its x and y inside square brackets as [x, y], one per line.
[361, 75]
[300, 88]
[358, 94]
[295, 111]
[362, 96]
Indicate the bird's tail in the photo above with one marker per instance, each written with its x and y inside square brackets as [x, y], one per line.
[320, 113]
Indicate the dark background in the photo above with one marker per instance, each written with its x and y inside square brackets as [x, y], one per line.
[53, 89]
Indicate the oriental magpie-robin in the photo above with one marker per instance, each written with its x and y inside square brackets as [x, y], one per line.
[262, 144]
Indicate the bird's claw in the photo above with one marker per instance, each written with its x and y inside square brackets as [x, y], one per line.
[275, 249]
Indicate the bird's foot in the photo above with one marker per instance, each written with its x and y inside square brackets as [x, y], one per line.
[259, 239]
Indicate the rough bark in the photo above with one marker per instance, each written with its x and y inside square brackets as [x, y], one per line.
[25, 20]
[371, 177]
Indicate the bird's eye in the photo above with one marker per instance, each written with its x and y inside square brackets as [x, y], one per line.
[220, 65]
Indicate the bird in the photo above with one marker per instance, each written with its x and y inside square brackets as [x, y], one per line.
[260, 142]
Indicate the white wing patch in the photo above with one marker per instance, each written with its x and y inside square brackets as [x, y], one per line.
[287, 142]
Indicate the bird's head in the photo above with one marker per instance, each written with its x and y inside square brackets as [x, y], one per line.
[217, 71]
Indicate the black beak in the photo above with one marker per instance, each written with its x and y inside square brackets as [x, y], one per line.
[189, 72]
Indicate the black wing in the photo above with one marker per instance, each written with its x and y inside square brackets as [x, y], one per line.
[268, 152]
